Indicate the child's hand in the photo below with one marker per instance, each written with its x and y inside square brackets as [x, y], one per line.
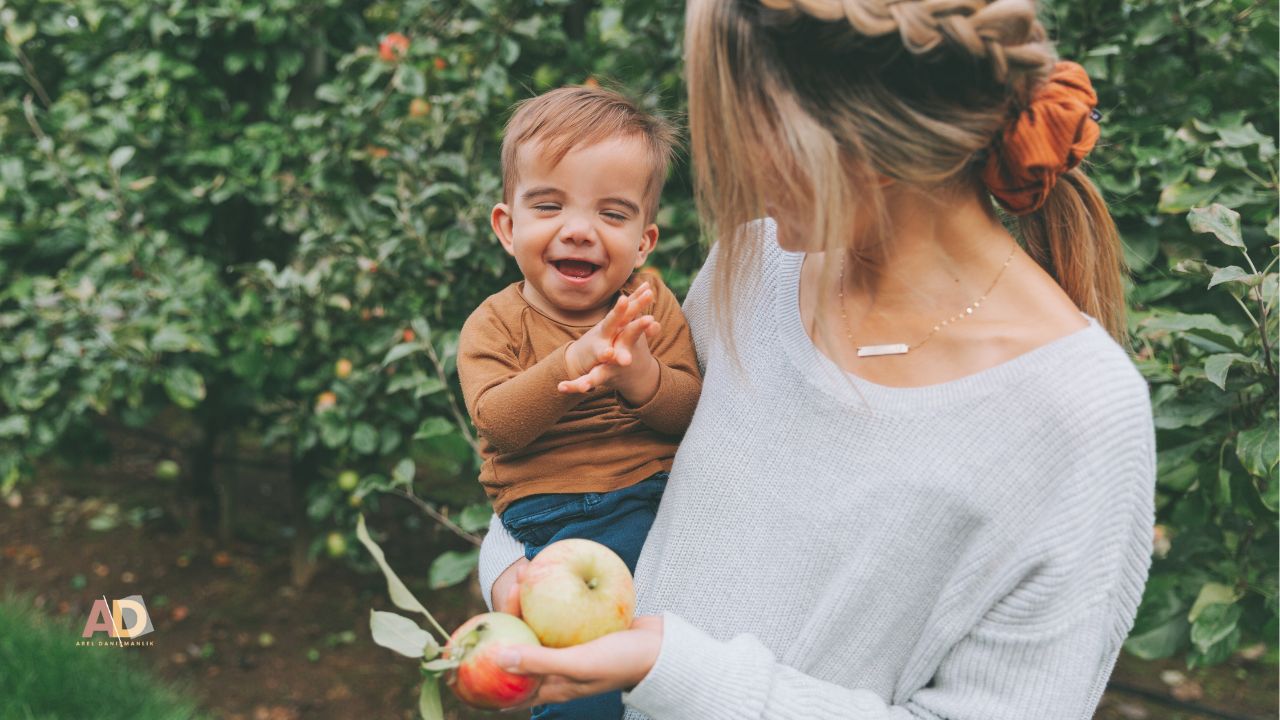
[632, 371]
[599, 344]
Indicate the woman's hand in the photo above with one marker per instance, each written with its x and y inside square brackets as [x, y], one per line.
[617, 661]
[505, 592]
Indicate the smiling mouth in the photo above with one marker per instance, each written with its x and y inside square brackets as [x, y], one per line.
[577, 269]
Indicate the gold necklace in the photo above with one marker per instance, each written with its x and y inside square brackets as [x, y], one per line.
[904, 348]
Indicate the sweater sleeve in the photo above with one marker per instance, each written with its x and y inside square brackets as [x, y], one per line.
[510, 405]
[679, 379]
[1044, 649]
[498, 551]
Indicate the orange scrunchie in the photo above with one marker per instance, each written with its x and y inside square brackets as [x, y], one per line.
[1051, 136]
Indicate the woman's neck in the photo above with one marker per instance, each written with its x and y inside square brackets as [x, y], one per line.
[938, 253]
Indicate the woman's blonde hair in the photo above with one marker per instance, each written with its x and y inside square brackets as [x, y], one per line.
[803, 103]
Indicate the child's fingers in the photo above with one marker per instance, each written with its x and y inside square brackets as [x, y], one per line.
[653, 330]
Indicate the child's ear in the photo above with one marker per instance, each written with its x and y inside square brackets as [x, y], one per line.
[648, 241]
[500, 219]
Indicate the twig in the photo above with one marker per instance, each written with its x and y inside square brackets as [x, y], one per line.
[439, 516]
[28, 110]
[30, 71]
[458, 417]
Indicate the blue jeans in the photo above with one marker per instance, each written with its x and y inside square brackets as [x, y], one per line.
[619, 520]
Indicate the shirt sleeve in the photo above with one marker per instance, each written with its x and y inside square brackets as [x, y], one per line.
[1044, 650]
[498, 551]
[510, 405]
[679, 379]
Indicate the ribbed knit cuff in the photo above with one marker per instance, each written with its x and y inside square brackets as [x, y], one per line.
[497, 552]
[695, 673]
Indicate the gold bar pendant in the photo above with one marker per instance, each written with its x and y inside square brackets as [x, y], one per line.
[872, 350]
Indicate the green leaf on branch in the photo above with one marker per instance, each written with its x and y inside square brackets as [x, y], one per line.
[1232, 273]
[429, 706]
[399, 633]
[1214, 624]
[475, 517]
[1218, 219]
[1216, 367]
[1195, 324]
[399, 351]
[396, 588]
[403, 473]
[452, 568]
[364, 438]
[1211, 594]
[121, 157]
[1257, 449]
[185, 387]
[433, 427]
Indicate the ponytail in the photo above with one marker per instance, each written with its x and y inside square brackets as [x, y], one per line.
[1075, 240]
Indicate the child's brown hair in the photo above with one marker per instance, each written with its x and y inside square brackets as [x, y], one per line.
[581, 116]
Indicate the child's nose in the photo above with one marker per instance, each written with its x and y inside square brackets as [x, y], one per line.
[577, 229]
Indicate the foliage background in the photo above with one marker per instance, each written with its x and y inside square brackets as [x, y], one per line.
[207, 207]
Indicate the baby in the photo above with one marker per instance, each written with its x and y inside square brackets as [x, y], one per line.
[580, 396]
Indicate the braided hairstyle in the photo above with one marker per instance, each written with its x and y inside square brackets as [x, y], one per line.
[797, 107]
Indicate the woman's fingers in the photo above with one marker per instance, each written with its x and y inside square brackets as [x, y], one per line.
[506, 588]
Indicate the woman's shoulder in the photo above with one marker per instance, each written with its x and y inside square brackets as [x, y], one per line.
[1087, 390]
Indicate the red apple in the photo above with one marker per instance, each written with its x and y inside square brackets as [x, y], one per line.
[574, 591]
[393, 47]
[478, 681]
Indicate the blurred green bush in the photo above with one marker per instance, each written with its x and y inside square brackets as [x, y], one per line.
[242, 210]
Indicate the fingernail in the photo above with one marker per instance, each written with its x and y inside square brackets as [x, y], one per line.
[507, 659]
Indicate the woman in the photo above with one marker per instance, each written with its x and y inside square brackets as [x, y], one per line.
[919, 482]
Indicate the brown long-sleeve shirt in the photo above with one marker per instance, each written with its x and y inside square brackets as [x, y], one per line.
[535, 439]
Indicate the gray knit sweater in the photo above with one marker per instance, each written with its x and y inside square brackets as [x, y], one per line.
[970, 550]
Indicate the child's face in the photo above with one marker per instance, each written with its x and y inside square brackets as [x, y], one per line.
[577, 229]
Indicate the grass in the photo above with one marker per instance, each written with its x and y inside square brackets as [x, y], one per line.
[45, 676]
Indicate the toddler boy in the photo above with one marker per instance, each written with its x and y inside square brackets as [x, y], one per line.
[580, 398]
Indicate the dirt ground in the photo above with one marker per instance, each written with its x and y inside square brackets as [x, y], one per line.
[249, 647]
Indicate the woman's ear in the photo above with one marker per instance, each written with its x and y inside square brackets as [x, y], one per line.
[648, 241]
[500, 219]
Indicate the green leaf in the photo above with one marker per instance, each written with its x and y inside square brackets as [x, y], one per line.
[1213, 625]
[1203, 323]
[433, 427]
[1160, 641]
[452, 568]
[428, 386]
[1211, 593]
[399, 633]
[121, 157]
[1218, 219]
[1231, 273]
[1181, 197]
[14, 426]
[364, 438]
[172, 339]
[429, 700]
[403, 473]
[1258, 448]
[1216, 367]
[396, 588]
[475, 517]
[185, 387]
[398, 352]
[334, 430]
